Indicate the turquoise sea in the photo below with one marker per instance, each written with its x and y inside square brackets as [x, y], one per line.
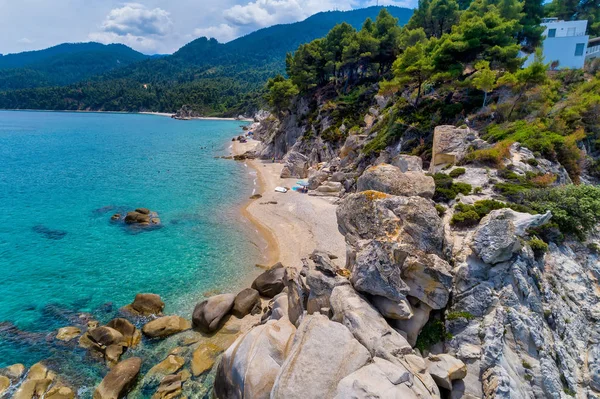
[63, 175]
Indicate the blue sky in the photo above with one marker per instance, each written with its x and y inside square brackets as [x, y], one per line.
[151, 26]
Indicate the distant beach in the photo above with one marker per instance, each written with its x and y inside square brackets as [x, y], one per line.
[292, 224]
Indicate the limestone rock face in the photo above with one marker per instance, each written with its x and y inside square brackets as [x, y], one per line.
[165, 326]
[320, 287]
[408, 163]
[428, 278]
[320, 347]
[412, 221]
[391, 180]
[270, 283]
[450, 145]
[497, 237]
[366, 324]
[146, 305]
[296, 165]
[249, 367]
[413, 326]
[209, 314]
[400, 310]
[445, 368]
[377, 270]
[380, 379]
[246, 302]
[119, 380]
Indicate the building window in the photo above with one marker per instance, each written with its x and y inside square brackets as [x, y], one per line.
[571, 32]
[551, 32]
[579, 49]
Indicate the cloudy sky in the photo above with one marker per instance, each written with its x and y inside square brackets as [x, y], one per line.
[151, 26]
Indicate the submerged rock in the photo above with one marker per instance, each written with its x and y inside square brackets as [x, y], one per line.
[166, 326]
[146, 305]
[38, 380]
[119, 380]
[131, 335]
[67, 334]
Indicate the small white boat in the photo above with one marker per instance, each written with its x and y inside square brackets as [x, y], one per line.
[281, 190]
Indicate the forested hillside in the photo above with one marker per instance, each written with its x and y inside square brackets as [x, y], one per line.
[447, 66]
[63, 64]
[213, 78]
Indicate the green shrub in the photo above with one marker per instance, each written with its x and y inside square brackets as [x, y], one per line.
[477, 190]
[459, 315]
[493, 156]
[432, 333]
[465, 219]
[595, 248]
[575, 209]
[463, 188]
[441, 209]
[457, 172]
[446, 189]
[526, 365]
[533, 162]
[549, 232]
[538, 246]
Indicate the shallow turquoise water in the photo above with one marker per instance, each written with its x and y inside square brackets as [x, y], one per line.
[62, 175]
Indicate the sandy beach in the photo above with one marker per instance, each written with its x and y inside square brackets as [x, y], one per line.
[199, 118]
[297, 224]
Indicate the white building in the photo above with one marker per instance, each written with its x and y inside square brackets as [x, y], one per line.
[565, 42]
[593, 50]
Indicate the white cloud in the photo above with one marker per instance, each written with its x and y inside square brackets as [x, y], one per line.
[261, 13]
[137, 20]
[223, 32]
[140, 43]
[135, 25]
[25, 41]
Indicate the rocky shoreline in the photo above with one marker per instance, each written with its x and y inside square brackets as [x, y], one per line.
[415, 307]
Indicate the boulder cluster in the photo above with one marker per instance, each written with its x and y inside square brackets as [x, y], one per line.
[142, 217]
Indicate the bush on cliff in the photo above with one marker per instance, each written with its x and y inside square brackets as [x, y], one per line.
[446, 189]
[575, 209]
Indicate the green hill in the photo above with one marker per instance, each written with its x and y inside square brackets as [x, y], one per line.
[63, 64]
[214, 78]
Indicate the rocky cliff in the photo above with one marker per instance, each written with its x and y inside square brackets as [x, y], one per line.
[444, 308]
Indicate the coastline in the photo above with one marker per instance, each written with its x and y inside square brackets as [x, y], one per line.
[163, 114]
[292, 224]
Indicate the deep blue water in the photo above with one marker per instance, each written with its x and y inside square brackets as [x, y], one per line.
[62, 176]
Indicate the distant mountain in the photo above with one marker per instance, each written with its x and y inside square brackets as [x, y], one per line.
[214, 78]
[63, 64]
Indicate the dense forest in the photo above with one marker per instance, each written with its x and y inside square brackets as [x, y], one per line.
[213, 78]
[63, 64]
